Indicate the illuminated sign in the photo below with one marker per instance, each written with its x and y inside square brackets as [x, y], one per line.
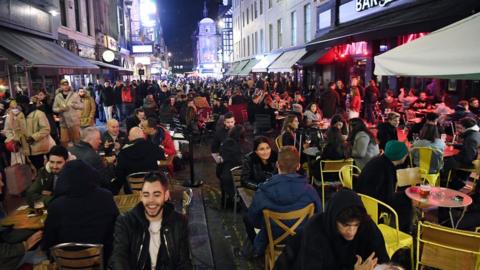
[142, 48]
[361, 5]
[108, 56]
[355, 48]
[110, 42]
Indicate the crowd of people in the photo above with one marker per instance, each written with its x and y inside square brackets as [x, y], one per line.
[79, 169]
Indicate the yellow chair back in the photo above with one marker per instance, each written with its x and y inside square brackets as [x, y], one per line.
[331, 166]
[278, 142]
[446, 248]
[346, 175]
[274, 247]
[424, 163]
[408, 177]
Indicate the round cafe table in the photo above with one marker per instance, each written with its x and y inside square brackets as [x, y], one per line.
[450, 151]
[441, 197]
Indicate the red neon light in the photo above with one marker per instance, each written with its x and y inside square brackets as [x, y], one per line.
[411, 37]
[355, 48]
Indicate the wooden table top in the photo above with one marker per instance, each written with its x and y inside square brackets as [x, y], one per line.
[167, 162]
[20, 219]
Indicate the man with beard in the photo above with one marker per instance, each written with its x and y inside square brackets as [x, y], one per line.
[151, 235]
[87, 116]
[46, 180]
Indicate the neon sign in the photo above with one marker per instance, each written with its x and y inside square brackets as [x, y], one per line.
[361, 5]
[355, 48]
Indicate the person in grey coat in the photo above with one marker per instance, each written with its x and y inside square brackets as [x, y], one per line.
[363, 143]
[68, 105]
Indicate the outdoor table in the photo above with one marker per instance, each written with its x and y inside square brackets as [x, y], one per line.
[126, 202]
[441, 197]
[23, 218]
[166, 162]
[450, 151]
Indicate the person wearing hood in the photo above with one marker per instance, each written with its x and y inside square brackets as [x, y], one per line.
[138, 156]
[87, 116]
[81, 211]
[468, 153]
[378, 179]
[287, 191]
[45, 181]
[152, 235]
[343, 237]
[462, 110]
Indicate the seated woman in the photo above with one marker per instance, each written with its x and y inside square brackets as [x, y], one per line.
[260, 164]
[430, 137]
[363, 143]
[312, 115]
[289, 131]
[343, 237]
[335, 148]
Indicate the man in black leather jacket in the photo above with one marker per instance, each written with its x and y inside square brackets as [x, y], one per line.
[151, 235]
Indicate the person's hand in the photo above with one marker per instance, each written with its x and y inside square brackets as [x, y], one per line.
[368, 264]
[46, 193]
[30, 140]
[33, 240]
[107, 144]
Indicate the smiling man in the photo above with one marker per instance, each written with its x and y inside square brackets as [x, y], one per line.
[152, 235]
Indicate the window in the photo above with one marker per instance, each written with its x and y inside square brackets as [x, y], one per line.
[248, 16]
[256, 11]
[270, 37]
[269, 3]
[244, 47]
[87, 7]
[261, 7]
[243, 19]
[307, 23]
[248, 45]
[63, 14]
[77, 16]
[262, 48]
[293, 28]
[256, 42]
[324, 19]
[279, 33]
[251, 9]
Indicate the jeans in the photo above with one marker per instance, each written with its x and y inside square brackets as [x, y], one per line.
[108, 112]
[118, 112]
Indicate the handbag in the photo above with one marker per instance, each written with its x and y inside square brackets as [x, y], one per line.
[19, 176]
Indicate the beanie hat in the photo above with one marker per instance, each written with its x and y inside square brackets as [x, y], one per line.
[63, 81]
[395, 150]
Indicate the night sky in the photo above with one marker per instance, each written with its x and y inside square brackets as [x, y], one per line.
[179, 20]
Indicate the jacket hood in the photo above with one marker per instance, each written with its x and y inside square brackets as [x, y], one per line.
[77, 178]
[137, 149]
[285, 189]
[342, 200]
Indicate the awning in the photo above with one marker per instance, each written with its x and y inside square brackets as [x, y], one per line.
[449, 53]
[412, 18]
[248, 67]
[286, 61]
[44, 54]
[265, 62]
[238, 68]
[120, 70]
[232, 68]
[313, 57]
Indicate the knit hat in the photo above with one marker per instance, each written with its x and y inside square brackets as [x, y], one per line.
[395, 150]
[63, 81]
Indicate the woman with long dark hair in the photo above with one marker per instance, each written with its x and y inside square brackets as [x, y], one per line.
[289, 130]
[363, 143]
[259, 165]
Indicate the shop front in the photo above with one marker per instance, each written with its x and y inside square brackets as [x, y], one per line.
[351, 34]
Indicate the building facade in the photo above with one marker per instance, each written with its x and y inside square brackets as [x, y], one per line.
[208, 48]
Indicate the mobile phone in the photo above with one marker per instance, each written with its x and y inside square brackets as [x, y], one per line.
[458, 198]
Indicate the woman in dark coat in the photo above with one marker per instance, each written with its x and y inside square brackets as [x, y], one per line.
[335, 239]
[260, 164]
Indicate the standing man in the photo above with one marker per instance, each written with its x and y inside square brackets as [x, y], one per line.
[117, 96]
[221, 133]
[329, 101]
[68, 105]
[152, 235]
[87, 116]
[107, 100]
[128, 97]
[387, 131]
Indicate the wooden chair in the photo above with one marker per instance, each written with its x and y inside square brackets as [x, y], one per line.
[424, 156]
[394, 238]
[447, 249]
[237, 184]
[135, 181]
[346, 175]
[331, 166]
[278, 142]
[408, 177]
[78, 256]
[274, 247]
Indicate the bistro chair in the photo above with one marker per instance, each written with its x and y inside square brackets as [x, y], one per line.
[429, 162]
[346, 175]
[237, 184]
[446, 248]
[135, 181]
[408, 177]
[330, 166]
[78, 256]
[187, 196]
[275, 246]
[475, 170]
[278, 142]
[263, 124]
[394, 238]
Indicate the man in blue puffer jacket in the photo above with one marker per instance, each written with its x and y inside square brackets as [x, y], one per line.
[287, 191]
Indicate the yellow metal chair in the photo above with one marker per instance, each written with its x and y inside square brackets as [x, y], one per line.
[425, 155]
[330, 166]
[408, 177]
[278, 142]
[274, 247]
[447, 249]
[78, 256]
[394, 238]
[346, 175]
